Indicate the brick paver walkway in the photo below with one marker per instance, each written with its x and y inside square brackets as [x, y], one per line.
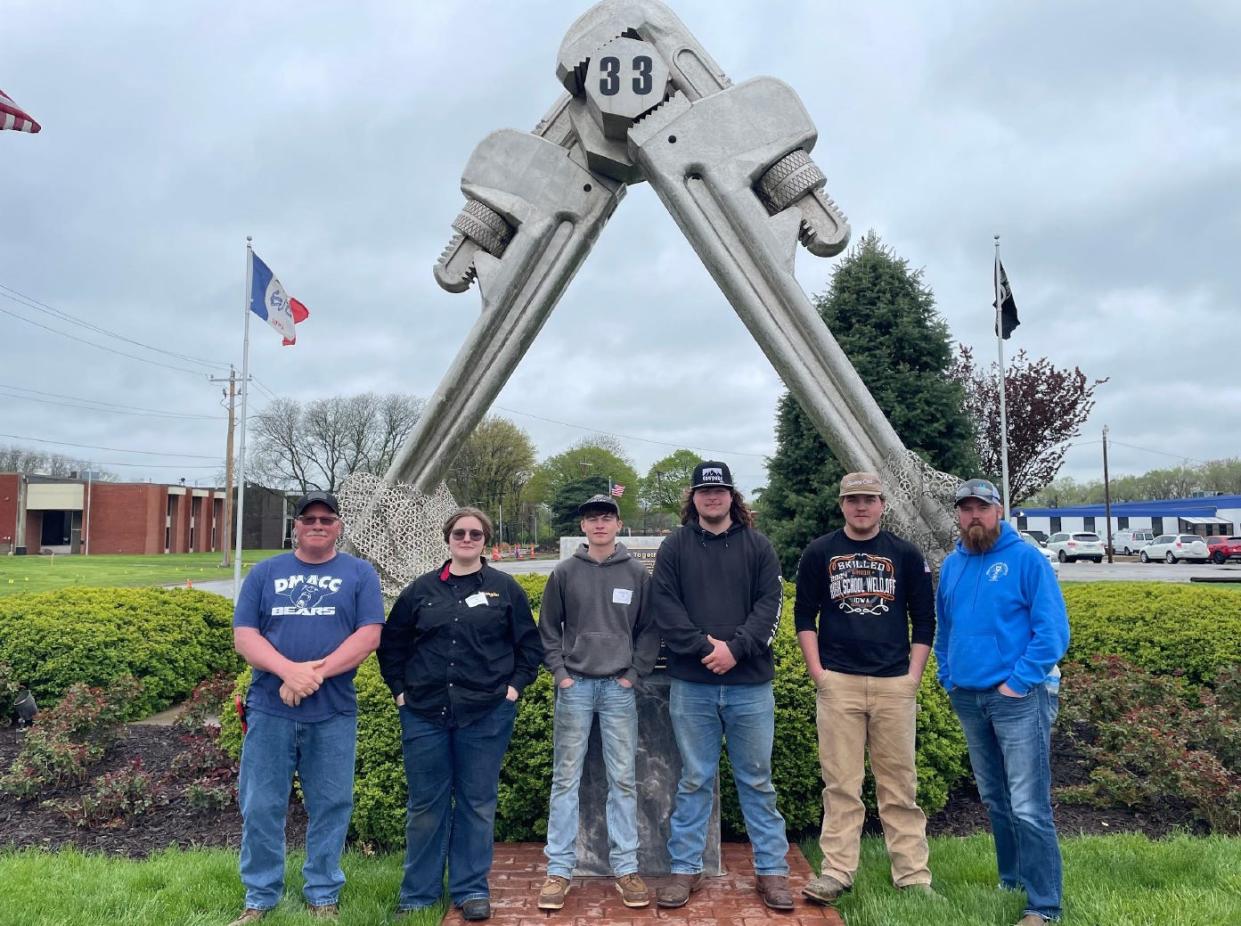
[730, 900]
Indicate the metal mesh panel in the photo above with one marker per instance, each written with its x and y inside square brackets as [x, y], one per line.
[910, 478]
[396, 527]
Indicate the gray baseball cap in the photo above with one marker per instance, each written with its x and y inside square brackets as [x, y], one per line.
[980, 489]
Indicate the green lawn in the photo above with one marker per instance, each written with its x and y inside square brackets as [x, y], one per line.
[19, 574]
[1121, 880]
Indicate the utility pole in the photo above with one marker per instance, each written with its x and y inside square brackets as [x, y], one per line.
[1107, 498]
[226, 533]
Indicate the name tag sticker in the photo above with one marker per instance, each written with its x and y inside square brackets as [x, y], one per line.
[476, 599]
[622, 595]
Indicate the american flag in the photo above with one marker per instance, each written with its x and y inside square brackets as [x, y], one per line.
[14, 117]
[617, 489]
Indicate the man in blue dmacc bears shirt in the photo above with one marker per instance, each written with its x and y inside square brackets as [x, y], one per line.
[304, 621]
[1002, 630]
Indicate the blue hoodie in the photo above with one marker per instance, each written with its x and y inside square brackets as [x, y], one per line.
[1001, 617]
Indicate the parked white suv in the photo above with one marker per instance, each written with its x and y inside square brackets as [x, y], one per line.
[1129, 542]
[1079, 545]
[1173, 548]
[1047, 554]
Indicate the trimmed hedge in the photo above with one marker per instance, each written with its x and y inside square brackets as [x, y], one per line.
[1170, 629]
[168, 639]
[525, 778]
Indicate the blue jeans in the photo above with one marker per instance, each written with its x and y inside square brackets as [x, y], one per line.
[322, 754]
[1010, 750]
[703, 715]
[453, 774]
[576, 707]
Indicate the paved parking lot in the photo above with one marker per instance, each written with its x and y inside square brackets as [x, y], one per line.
[1128, 569]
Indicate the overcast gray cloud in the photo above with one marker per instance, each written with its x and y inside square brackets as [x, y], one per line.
[1102, 141]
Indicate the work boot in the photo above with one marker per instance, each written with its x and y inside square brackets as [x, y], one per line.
[676, 892]
[824, 889]
[325, 911]
[774, 889]
[1032, 919]
[552, 894]
[633, 890]
[249, 915]
[477, 909]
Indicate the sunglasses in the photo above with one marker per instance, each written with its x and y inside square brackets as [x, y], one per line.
[461, 533]
[327, 520]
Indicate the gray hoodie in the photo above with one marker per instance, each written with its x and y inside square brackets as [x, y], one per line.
[595, 619]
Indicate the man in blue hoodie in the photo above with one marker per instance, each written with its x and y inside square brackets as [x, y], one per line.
[1002, 630]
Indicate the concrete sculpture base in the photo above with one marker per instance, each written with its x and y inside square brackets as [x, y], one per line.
[659, 768]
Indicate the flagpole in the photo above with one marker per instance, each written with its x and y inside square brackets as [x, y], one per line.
[245, 394]
[999, 340]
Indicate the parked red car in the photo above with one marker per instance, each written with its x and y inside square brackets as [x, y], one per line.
[1222, 549]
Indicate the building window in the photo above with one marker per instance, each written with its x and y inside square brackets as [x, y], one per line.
[1021, 522]
[1122, 524]
[1157, 526]
[1055, 525]
[1088, 523]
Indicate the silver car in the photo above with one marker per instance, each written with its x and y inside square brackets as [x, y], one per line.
[1072, 547]
[1047, 554]
[1175, 548]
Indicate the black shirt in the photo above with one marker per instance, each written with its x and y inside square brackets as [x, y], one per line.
[869, 593]
[453, 644]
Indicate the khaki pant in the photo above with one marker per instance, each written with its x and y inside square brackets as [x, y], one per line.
[855, 712]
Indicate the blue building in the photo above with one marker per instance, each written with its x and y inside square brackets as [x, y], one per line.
[1206, 516]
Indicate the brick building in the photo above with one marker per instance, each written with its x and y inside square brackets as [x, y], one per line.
[66, 515]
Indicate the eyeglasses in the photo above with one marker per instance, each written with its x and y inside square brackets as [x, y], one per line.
[461, 533]
[327, 520]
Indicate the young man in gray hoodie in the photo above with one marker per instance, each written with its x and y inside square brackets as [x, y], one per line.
[598, 640]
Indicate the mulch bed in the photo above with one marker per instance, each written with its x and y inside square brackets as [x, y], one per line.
[29, 824]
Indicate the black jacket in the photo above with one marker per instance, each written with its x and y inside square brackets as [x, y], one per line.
[454, 661]
[726, 585]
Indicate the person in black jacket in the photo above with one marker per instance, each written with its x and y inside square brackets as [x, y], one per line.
[716, 593]
[870, 592]
[459, 646]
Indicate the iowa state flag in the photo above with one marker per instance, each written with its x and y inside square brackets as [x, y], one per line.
[270, 302]
[14, 117]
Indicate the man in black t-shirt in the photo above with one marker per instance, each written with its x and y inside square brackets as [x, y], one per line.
[870, 592]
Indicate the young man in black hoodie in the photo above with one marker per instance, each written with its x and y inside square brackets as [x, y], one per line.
[870, 592]
[717, 594]
[598, 640]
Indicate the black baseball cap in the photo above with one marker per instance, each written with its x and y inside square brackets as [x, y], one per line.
[316, 497]
[711, 473]
[599, 501]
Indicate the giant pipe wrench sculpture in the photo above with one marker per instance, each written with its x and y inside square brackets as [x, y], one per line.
[731, 164]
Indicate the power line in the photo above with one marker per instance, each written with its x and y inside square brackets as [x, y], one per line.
[149, 453]
[32, 303]
[645, 440]
[95, 405]
[110, 350]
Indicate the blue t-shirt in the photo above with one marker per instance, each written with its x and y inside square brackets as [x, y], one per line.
[305, 611]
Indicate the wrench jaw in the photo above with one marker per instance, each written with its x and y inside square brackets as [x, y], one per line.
[734, 171]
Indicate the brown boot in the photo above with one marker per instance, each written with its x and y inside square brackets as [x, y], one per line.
[633, 890]
[552, 894]
[248, 915]
[774, 889]
[327, 911]
[678, 889]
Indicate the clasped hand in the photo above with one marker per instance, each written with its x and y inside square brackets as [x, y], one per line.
[721, 658]
[301, 681]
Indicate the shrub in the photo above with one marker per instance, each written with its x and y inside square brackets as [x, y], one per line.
[70, 737]
[114, 798]
[1154, 740]
[1164, 627]
[168, 638]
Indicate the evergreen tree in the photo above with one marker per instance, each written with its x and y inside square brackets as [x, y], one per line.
[884, 318]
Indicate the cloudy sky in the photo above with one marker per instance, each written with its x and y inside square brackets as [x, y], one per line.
[1101, 141]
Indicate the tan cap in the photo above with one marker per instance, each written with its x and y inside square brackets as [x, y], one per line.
[861, 484]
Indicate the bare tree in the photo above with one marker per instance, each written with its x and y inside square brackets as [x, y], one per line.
[1046, 407]
[316, 444]
[14, 459]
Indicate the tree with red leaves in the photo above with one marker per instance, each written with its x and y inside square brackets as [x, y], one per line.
[1046, 407]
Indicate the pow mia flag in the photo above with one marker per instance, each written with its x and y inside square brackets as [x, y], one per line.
[1006, 309]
